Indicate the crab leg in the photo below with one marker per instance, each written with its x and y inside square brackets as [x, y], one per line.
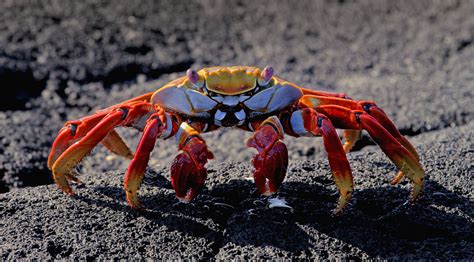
[271, 162]
[368, 106]
[77, 151]
[115, 144]
[355, 119]
[70, 133]
[351, 136]
[75, 130]
[308, 122]
[157, 125]
[188, 173]
[372, 109]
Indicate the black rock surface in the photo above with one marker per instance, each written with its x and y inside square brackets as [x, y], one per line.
[62, 60]
[229, 220]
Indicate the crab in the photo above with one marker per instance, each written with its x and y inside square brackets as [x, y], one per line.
[243, 97]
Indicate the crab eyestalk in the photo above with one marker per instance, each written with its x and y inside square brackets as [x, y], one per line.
[193, 78]
[192, 75]
[265, 76]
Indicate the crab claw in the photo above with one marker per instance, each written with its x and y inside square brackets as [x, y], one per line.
[271, 162]
[188, 173]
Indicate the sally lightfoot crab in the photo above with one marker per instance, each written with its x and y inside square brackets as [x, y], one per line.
[240, 96]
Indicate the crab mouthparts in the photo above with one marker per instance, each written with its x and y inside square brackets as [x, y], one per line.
[229, 116]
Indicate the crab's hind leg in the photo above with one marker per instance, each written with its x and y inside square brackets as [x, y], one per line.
[271, 161]
[351, 136]
[308, 122]
[158, 125]
[355, 119]
[95, 131]
[370, 108]
[188, 172]
[73, 131]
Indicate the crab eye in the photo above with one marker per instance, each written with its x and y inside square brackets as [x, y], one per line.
[193, 78]
[265, 76]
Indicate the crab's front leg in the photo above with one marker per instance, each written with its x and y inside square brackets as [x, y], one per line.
[78, 138]
[308, 122]
[188, 172]
[271, 161]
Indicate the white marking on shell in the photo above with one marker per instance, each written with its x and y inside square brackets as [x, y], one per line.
[240, 116]
[219, 115]
[169, 127]
[173, 98]
[186, 101]
[297, 124]
[242, 98]
[206, 126]
[260, 100]
[218, 98]
[284, 96]
[231, 100]
[199, 101]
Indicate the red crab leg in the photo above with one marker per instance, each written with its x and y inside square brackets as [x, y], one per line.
[372, 109]
[355, 119]
[156, 125]
[368, 106]
[70, 133]
[75, 130]
[187, 169]
[308, 122]
[271, 162]
[77, 151]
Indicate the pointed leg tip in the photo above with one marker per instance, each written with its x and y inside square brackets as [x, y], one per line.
[398, 177]
[347, 149]
[416, 193]
[134, 204]
[184, 200]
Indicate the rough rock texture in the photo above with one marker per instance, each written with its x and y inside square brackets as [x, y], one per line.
[62, 60]
[229, 220]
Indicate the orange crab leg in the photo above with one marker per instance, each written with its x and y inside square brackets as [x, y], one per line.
[355, 119]
[188, 173]
[308, 122]
[71, 132]
[271, 162]
[77, 151]
[115, 144]
[155, 127]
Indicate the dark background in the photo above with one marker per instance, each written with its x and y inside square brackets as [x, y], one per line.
[62, 60]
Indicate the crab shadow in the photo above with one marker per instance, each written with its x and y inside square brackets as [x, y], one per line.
[379, 222]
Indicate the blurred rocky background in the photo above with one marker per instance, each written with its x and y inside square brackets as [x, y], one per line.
[61, 60]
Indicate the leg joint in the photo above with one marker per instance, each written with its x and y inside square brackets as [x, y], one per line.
[124, 111]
